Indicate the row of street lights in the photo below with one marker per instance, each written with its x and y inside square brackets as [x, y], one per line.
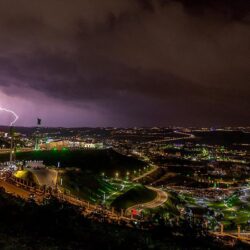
[135, 172]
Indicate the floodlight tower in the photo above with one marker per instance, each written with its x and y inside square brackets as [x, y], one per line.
[12, 145]
[39, 121]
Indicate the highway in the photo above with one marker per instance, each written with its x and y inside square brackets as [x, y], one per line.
[186, 136]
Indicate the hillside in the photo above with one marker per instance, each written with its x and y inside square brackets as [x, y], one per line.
[93, 161]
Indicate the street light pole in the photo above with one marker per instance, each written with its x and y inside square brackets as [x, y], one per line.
[11, 144]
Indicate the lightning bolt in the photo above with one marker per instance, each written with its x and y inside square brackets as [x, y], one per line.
[11, 112]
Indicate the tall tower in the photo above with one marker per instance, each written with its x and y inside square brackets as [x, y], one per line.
[39, 122]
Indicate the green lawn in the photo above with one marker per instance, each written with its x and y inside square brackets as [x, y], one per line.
[94, 188]
[137, 195]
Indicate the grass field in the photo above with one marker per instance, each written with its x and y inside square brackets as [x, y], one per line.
[137, 195]
[87, 186]
[102, 190]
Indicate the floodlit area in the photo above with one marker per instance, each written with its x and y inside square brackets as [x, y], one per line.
[144, 182]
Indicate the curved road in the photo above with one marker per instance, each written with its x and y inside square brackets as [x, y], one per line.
[160, 199]
[146, 174]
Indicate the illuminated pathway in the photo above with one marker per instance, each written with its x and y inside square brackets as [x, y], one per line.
[18, 191]
[245, 237]
[146, 174]
[7, 150]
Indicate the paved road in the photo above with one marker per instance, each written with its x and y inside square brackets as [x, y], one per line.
[10, 188]
[18, 191]
[7, 150]
[146, 174]
[160, 199]
[186, 136]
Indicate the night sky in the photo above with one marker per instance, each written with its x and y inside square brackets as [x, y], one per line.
[125, 62]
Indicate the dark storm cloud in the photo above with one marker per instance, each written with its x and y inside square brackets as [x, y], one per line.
[143, 61]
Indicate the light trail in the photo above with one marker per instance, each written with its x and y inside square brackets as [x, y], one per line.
[11, 112]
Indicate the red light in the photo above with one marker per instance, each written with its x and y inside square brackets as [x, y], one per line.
[134, 212]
